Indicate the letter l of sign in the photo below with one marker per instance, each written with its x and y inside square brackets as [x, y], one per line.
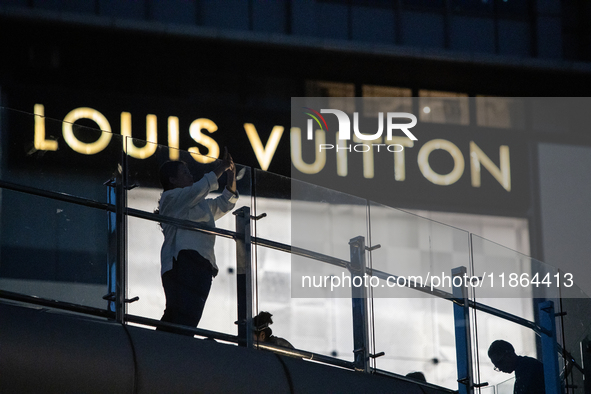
[264, 155]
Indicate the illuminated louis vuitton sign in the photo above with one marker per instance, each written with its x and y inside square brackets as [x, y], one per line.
[203, 130]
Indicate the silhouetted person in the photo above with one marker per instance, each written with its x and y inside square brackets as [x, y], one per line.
[187, 256]
[529, 372]
[263, 333]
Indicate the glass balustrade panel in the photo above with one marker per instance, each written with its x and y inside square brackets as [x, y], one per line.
[413, 319]
[54, 249]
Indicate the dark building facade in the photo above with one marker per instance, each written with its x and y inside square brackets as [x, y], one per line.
[207, 74]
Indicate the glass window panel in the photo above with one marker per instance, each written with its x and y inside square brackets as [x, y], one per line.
[398, 99]
[423, 29]
[520, 8]
[333, 90]
[500, 112]
[373, 24]
[472, 33]
[424, 4]
[478, 6]
[232, 14]
[443, 107]
[514, 37]
[335, 27]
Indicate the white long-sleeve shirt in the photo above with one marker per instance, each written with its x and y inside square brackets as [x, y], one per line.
[189, 203]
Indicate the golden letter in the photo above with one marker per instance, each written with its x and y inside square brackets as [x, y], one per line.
[173, 138]
[205, 140]
[454, 151]
[502, 174]
[399, 161]
[82, 147]
[40, 142]
[296, 152]
[368, 162]
[151, 137]
[263, 155]
[342, 163]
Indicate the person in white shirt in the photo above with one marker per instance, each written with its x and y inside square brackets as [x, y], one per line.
[187, 256]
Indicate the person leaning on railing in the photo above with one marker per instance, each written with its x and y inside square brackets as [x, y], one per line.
[187, 256]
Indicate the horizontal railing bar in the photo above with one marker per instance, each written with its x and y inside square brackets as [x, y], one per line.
[58, 196]
[180, 329]
[112, 208]
[507, 316]
[412, 284]
[188, 224]
[306, 355]
[9, 295]
[111, 315]
[300, 252]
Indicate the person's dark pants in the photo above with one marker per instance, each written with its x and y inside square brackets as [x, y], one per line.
[186, 287]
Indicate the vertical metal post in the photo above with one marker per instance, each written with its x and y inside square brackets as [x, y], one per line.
[244, 275]
[586, 352]
[359, 300]
[121, 226]
[462, 330]
[112, 248]
[549, 348]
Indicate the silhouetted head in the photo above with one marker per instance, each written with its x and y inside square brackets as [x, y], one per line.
[261, 322]
[417, 376]
[502, 354]
[175, 174]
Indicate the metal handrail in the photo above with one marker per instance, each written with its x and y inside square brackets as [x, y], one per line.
[67, 306]
[231, 235]
[303, 354]
[261, 242]
[57, 196]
